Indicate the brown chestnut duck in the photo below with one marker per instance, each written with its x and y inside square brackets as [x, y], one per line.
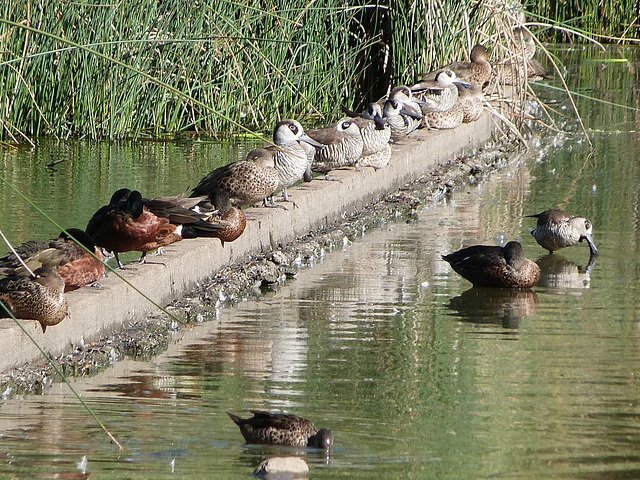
[73, 254]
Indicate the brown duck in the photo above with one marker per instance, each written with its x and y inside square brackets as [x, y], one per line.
[282, 429]
[494, 266]
[76, 265]
[37, 298]
[132, 223]
[246, 182]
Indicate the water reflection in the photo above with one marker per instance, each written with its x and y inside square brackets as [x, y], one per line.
[559, 273]
[500, 306]
[380, 343]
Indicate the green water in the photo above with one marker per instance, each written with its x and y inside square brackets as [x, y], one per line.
[417, 375]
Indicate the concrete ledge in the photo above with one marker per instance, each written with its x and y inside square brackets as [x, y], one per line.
[95, 312]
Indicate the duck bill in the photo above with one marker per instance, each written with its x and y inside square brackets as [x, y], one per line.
[464, 83]
[307, 139]
[592, 246]
[381, 122]
[411, 113]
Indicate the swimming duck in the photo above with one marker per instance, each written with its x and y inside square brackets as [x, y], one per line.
[282, 429]
[558, 229]
[74, 264]
[494, 266]
[246, 182]
[342, 145]
[476, 72]
[37, 298]
[289, 157]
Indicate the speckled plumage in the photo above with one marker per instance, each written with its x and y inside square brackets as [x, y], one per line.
[477, 71]
[282, 429]
[470, 99]
[342, 145]
[402, 122]
[558, 229]
[246, 182]
[441, 120]
[37, 298]
[493, 266]
[74, 264]
[441, 94]
[376, 134]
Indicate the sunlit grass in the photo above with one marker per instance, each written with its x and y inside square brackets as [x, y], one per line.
[138, 68]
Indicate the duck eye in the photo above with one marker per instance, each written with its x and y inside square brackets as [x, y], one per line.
[346, 125]
[293, 128]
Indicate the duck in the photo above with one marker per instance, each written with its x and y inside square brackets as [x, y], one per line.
[342, 145]
[282, 429]
[471, 100]
[402, 121]
[39, 297]
[246, 182]
[519, 66]
[558, 229]
[73, 254]
[477, 71]
[289, 157]
[131, 223]
[495, 266]
[376, 134]
[440, 94]
[124, 225]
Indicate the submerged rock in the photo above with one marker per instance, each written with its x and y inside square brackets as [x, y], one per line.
[281, 468]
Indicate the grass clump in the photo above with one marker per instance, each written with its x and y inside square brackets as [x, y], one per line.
[151, 68]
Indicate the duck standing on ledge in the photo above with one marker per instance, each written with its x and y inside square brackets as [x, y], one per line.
[38, 298]
[75, 264]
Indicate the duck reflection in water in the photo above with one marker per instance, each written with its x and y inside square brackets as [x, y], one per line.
[559, 273]
[498, 306]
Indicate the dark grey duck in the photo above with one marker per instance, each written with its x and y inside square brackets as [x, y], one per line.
[494, 266]
[282, 429]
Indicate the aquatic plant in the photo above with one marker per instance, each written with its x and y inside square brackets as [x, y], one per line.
[156, 68]
[617, 20]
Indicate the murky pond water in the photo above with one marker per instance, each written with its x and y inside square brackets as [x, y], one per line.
[418, 375]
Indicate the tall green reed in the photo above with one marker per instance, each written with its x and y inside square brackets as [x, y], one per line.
[156, 68]
[618, 20]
